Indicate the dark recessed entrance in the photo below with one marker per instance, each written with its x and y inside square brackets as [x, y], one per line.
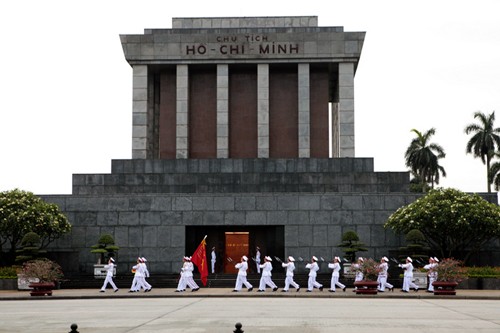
[232, 242]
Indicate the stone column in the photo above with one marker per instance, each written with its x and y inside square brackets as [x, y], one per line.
[304, 112]
[346, 110]
[222, 111]
[263, 111]
[182, 119]
[139, 111]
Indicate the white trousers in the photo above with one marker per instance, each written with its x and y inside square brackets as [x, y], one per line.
[240, 281]
[289, 281]
[182, 283]
[311, 283]
[109, 279]
[335, 282]
[382, 283]
[190, 282]
[408, 283]
[258, 266]
[266, 281]
[431, 280]
[137, 283]
[213, 266]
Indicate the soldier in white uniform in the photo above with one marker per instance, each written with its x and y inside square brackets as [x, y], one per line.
[408, 276]
[109, 276]
[290, 267]
[265, 279]
[257, 259]
[313, 269]
[181, 286]
[188, 271]
[357, 268]
[335, 275]
[382, 276]
[241, 279]
[145, 275]
[433, 262]
[213, 260]
[137, 282]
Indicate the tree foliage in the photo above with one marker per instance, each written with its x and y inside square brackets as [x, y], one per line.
[22, 212]
[451, 221]
[485, 140]
[422, 157]
[351, 244]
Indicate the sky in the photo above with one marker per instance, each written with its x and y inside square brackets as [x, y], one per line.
[66, 88]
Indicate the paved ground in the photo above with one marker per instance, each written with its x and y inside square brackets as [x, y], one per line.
[217, 310]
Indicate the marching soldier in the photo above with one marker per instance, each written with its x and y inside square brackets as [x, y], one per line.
[137, 282]
[241, 279]
[408, 276]
[181, 286]
[433, 262]
[313, 269]
[382, 275]
[109, 276]
[145, 275]
[290, 267]
[359, 273]
[335, 275]
[188, 273]
[265, 279]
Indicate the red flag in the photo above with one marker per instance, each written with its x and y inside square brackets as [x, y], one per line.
[200, 260]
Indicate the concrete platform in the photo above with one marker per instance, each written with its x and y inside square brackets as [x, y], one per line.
[218, 310]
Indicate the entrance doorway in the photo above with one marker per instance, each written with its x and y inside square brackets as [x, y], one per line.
[236, 247]
[269, 238]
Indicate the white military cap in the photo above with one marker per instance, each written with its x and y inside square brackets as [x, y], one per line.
[290, 258]
[385, 259]
[409, 259]
[337, 258]
[186, 258]
[143, 259]
[436, 259]
[113, 260]
[244, 258]
[361, 259]
[314, 258]
[268, 258]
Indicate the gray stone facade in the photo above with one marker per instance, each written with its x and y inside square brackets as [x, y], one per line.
[320, 199]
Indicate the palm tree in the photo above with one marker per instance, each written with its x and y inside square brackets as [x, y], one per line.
[495, 173]
[485, 141]
[422, 158]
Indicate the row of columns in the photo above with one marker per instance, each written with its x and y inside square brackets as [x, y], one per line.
[342, 114]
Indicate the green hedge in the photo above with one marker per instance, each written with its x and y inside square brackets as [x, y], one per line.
[8, 273]
[482, 272]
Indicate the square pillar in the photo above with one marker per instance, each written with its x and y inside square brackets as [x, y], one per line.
[304, 111]
[346, 110]
[263, 111]
[139, 111]
[182, 121]
[222, 111]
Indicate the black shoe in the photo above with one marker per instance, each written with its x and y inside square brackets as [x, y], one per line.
[380, 291]
[235, 291]
[284, 291]
[416, 290]
[101, 291]
[116, 290]
[321, 288]
[275, 288]
[177, 291]
[298, 289]
[260, 291]
[344, 289]
[429, 291]
[250, 289]
[309, 291]
[332, 291]
[391, 289]
[404, 291]
[131, 291]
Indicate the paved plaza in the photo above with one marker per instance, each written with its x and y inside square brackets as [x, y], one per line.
[217, 310]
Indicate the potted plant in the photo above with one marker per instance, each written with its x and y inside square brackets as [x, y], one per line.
[45, 272]
[105, 248]
[369, 268]
[449, 273]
